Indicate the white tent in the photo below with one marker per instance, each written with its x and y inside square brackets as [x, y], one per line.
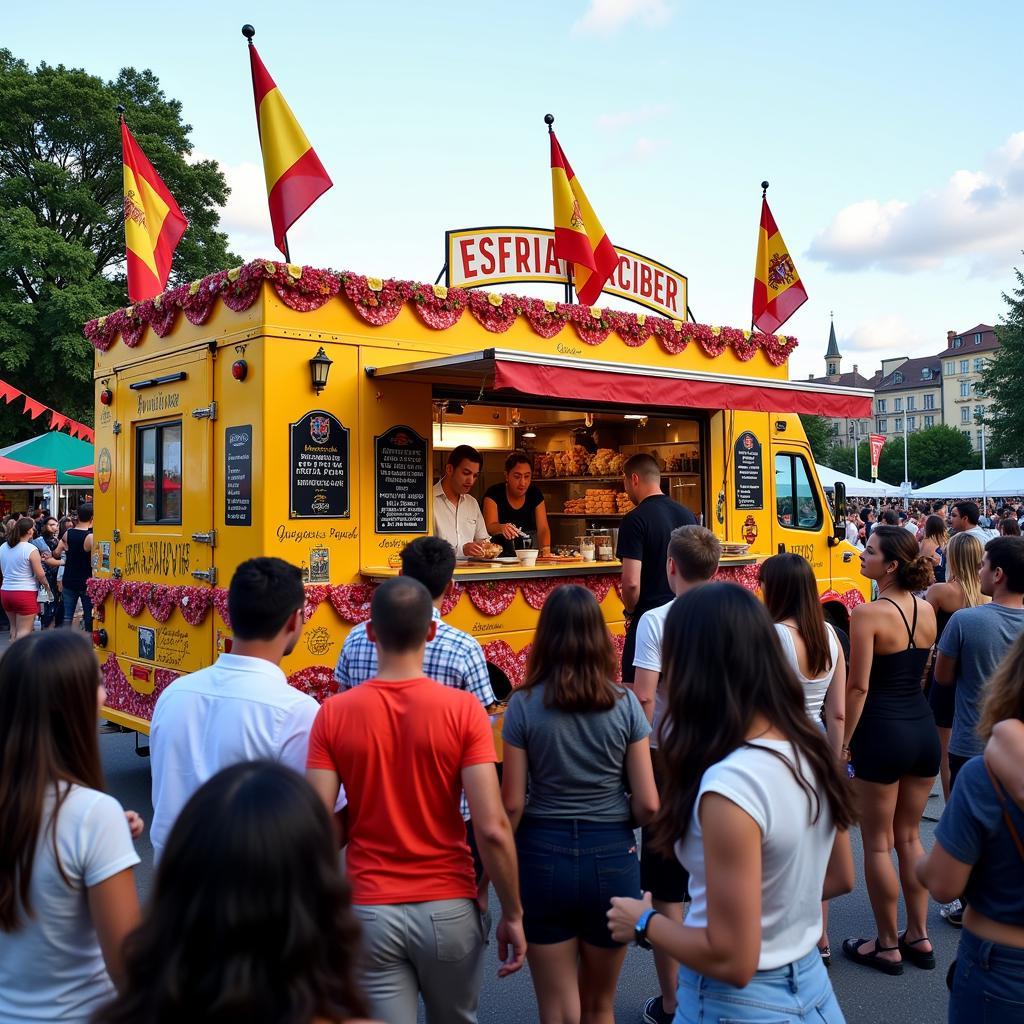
[972, 483]
[854, 487]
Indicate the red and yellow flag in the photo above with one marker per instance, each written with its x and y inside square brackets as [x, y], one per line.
[579, 237]
[153, 224]
[778, 290]
[295, 177]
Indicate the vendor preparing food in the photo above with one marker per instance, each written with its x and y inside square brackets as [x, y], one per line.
[457, 515]
[516, 507]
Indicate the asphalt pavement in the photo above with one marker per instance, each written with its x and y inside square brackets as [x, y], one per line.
[866, 997]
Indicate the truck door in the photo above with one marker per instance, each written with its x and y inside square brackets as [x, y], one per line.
[800, 509]
[164, 511]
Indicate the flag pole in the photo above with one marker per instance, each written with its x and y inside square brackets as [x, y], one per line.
[549, 120]
[764, 195]
[249, 31]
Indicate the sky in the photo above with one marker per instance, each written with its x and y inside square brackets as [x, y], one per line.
[892, 135]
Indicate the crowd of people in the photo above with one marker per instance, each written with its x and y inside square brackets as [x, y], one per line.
[748, 738]
[45, 563]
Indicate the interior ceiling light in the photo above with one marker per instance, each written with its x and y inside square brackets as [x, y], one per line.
[633, 416]
[529, 433]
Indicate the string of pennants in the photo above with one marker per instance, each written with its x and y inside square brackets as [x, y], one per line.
[58, 421]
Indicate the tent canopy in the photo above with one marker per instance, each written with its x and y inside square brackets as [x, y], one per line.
[855, 487]
[14, 472]
[996, 483]
[85, 472]
[53, 450]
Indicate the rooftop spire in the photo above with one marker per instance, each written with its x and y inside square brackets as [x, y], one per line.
[833, 345]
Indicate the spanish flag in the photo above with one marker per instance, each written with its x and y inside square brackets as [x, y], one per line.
[295, 177]
[778, 290]
[153, 224]
[579, 237]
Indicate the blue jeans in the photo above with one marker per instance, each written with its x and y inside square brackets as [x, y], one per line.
[569, 871]
[71, 599]
[988, 983]
[799, 992]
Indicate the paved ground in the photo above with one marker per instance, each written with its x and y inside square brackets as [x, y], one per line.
[865, 996]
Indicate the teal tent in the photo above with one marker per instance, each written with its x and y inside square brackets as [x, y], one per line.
[53, 450]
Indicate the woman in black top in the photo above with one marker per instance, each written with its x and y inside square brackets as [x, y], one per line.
[77, 542]
[517, 505]
[893, 744]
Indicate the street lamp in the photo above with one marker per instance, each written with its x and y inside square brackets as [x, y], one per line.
[979, 418]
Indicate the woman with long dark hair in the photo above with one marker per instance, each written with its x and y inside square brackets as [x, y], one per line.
[892, 744]
[812, 648]
[752, 805]
[67, 891]
[979, 853]
[933, 545]
[250, 917]
[571, 735]
[24, 577]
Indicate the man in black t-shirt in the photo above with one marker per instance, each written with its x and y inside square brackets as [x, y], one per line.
[643, 546]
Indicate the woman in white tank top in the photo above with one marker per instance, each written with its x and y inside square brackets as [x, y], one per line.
[811, 646]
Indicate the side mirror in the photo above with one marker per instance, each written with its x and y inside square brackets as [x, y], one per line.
[839, 510]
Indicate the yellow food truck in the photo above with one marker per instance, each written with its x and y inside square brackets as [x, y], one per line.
[283, 410]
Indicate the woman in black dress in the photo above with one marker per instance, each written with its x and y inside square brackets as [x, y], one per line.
[892, 743]
[517, 506]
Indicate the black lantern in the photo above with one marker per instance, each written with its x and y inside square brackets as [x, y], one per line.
[319, 368]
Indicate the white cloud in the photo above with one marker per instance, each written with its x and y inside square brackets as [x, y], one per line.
[889, 334]
[604, 17]
[628, 118]
[245, 217]
[976, 216]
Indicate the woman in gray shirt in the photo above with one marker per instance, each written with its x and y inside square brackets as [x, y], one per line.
[572, 736]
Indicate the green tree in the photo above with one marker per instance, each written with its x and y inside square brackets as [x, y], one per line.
[932, 454]
[62, 219]
[1003, 380]
[841, 459]
[820, 435]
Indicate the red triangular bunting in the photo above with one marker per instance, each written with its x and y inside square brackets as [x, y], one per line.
[33, 408]
[58, 422]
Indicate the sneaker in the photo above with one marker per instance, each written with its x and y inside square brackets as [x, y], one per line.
[654, 1012]
[953, 913]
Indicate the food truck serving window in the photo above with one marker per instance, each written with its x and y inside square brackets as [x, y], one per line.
[158, 473]
[795, 497]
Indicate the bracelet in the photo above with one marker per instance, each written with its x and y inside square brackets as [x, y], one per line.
[640, 930]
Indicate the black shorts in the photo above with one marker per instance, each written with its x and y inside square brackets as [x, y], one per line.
[663, 877]
[629, 650]
[884, 750]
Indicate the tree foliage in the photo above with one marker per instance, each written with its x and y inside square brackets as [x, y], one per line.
[841, 459]
[1003, 380]
[820, 436]
[62, 219]
[932, 454]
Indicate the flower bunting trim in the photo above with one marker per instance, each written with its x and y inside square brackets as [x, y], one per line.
[379, 300]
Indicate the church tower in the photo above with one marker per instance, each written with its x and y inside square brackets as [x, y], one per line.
[833, 360]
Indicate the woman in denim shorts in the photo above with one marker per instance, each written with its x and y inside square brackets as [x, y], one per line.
[572, 738]
[756, 810]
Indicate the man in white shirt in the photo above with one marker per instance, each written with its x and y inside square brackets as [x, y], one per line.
[457, 515]
[963, 518]
[693, 555]
[241, 708]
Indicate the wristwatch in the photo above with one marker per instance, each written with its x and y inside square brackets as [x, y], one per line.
[640, 931]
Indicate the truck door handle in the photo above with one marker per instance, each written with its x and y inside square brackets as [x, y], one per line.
[210, 575]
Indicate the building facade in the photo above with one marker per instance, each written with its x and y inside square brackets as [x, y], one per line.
[915, 394]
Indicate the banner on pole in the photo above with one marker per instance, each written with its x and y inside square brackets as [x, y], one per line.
[877, 442]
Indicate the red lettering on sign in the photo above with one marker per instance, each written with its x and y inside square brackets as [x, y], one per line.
[536, 252]
[522, 255]
[551, 264]
[659, 280]
[486, 255]
[467, 270]
[621, 271]
[504, 252]
[672, 293]
[645, 280]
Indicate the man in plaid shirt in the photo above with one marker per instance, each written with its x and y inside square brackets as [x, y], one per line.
[452, 657]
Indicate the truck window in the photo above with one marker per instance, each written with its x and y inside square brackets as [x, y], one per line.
[158, 473]
[795, 498]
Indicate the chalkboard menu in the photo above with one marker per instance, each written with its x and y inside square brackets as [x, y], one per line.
[319, 464]
[238, 476]
[401, 481]
[749, 472]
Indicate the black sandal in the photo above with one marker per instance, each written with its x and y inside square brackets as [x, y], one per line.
[872, 959]
[918, 957]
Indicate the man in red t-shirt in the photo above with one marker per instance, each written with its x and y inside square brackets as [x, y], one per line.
[405, 747]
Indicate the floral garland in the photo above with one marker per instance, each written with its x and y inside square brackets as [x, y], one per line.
[122, 696]
[379, 300]
[317, 680]
[849, 600]
[747, 576]
[513, 663]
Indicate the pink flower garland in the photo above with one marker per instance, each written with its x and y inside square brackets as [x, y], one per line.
[317, 680]
[379, 300]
